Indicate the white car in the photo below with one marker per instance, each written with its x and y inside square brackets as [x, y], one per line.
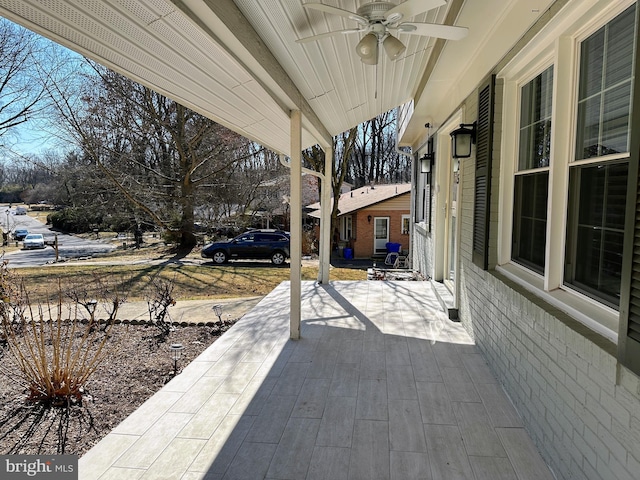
[33, 240]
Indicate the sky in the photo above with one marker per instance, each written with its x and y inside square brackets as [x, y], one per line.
[38, 134]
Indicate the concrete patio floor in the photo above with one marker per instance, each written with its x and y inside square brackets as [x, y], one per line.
[381, 386]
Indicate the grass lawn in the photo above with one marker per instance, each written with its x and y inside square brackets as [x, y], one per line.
[190, 281]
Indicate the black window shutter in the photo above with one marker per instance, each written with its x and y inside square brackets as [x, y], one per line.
[482, 194]
[629, 329]
[629, 332]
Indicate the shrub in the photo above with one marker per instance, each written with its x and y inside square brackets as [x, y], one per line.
[75, 219]
[56, 353]
[159, 295]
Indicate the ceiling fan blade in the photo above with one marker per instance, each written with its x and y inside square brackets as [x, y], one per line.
[447, 32]
[326, 35]
[411, 8]
[337, 11]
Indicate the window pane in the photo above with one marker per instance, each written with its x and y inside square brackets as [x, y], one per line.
[530, 220]
[535, 122]
[596, 229]
[618, 68]
[591, 62]
[588, 141]
[598, 272]
[604, 94]
[615, 120]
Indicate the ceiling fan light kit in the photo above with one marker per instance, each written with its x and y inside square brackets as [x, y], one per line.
[378, 19]
[393, 47]
[367, 49]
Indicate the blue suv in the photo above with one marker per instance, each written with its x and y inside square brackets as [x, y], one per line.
[256, 244]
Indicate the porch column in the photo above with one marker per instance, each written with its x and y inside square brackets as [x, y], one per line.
[325, 217]
[296, 224]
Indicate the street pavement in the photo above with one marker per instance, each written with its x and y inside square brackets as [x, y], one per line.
[69, 246]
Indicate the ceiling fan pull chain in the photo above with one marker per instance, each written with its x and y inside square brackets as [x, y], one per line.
[375, 95]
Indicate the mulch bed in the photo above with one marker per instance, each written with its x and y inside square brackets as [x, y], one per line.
[137, 366]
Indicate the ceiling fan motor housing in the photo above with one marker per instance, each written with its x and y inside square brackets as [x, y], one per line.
[375, 11]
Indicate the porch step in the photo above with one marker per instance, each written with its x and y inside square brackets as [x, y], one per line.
[445, 298]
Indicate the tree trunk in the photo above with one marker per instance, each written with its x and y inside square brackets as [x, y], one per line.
[187, 194]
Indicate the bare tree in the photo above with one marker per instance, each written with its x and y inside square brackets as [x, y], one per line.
[375, 159]
[245, 187]
[26, 68]
[155, 152]
[343, 145]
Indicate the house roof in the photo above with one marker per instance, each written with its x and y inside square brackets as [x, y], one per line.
[364, 197]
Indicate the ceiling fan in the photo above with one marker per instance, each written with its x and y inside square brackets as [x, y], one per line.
[380, 19]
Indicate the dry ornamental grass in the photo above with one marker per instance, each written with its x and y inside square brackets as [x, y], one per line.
[136, 365]
[67, 379]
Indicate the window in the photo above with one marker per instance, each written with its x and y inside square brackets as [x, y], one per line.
[567, 156]
[346, 228]
[595, 230]
[530, 220]
[405, 224]
[532, 177]
[597, 190]
[606, 77]
[422, 198]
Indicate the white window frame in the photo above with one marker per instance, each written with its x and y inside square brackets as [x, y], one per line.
[516, 171]
[420, 200]
[407, 218]
[346, 228]
[560, 47]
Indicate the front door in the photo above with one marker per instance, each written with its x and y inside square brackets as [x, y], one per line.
[380, 235]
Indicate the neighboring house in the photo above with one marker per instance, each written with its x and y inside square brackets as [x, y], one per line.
[272, 202]
[370, 217]
[536, 234]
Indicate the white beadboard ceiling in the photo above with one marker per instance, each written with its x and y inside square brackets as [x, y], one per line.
[237, 62]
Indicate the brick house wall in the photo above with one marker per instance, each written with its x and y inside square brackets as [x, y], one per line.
[394, 208]
[579, 405]
[363, 244]
[582, 412]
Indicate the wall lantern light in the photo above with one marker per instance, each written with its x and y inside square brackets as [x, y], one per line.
[369, 218]
[462, 139]
[425, 163]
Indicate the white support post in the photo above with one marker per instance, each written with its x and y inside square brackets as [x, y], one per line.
[295, 213]
[325, 217]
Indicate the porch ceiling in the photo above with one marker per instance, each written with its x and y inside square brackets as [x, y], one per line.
[236, 61]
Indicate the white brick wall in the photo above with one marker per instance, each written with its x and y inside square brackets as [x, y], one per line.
[562, 383]
[580, 410]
